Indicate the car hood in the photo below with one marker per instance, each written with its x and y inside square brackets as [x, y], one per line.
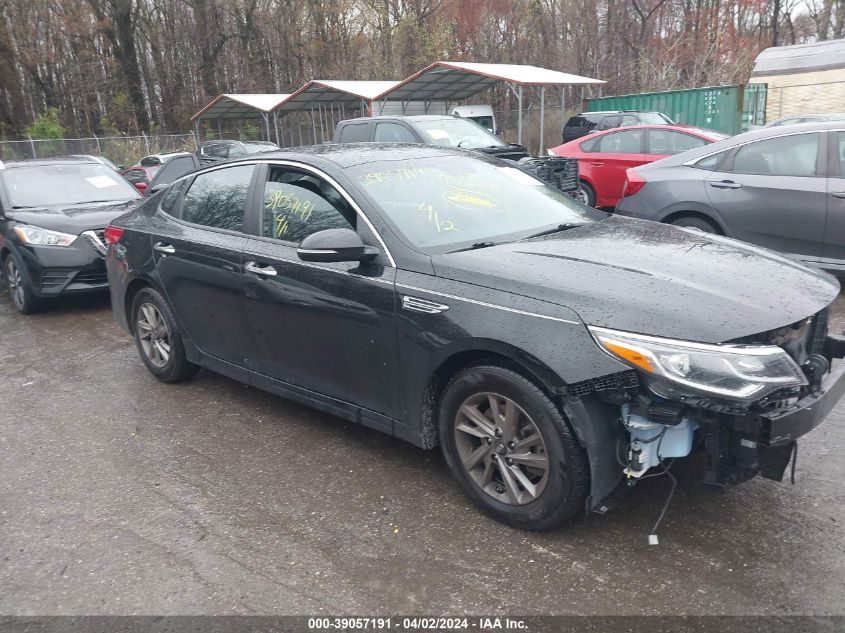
[75, 218]
[651, 278]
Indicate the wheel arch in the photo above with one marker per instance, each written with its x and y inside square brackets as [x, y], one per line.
[708, 217]
[132, 289]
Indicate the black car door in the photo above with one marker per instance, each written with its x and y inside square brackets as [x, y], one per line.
[198, 252]
[330, 327]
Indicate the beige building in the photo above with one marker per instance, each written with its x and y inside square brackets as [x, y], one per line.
[802, 79]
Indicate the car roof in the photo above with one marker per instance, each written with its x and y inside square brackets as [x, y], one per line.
[745, 137]
[350, 154]
[405, 117]
[53, 160]
[691, 129]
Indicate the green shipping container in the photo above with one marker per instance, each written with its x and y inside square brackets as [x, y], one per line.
[728, 109]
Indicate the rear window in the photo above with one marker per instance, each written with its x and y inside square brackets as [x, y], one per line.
[654, 118]
[354, 133]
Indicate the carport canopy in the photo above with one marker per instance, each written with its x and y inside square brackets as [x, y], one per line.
[455, 81]
[329, 93]
[242, 106]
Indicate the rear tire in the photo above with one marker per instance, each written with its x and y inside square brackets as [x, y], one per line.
[20, 290]
[158, 339]
[511, 450]
[586, 194]
[695, 222]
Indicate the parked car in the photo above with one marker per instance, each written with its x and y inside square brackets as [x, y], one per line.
[780, 187]
[807, 118]
[604, 157]
[589, 122]
[141, 174]
[444, 296]
[216, 151]
[441, 130]
[53, 212]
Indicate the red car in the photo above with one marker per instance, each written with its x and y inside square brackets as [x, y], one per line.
[604, 157]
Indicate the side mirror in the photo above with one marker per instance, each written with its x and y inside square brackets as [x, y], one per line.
[335, 245]
[151, 191]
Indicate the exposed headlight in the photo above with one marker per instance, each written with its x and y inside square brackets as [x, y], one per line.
[43, 237]
[738, 372]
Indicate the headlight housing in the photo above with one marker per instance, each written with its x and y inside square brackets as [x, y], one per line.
[37, 236]
[736, 372]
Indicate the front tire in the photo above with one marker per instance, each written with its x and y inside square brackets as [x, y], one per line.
[511, 450]
[158, 339]
[20, 290]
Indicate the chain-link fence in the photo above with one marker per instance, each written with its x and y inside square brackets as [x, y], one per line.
[122, 150]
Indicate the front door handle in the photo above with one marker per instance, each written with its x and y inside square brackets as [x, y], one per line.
[596, 163]
[264, 271]
[838, 194]
[724, 184]
[161, 247]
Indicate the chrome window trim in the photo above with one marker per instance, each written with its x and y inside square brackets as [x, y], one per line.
[321, 174]
[694, 161]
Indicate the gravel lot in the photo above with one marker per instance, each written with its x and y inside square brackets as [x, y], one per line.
[121, 495]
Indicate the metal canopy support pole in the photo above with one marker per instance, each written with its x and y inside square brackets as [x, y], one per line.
[279, 138]
[313, 125]
[519, 121]
[267, 126]
[541, 150]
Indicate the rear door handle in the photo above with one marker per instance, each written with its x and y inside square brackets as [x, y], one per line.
[264, 271]
[596, 163]
[724, 184]
[161, 247]
[838, 194]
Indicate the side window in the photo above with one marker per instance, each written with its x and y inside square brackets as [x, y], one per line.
[171, 196]
[629, 119]
[712, 162]
[669, 142]
[355, 133]
[218, 198]
[136, 175]
[394, 133]
[297, 204]
[236, 150]
[590, 145]
[627, 142]
[793, 155]
[609, 122]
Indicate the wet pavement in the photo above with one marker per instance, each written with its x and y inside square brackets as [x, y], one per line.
[122, 495]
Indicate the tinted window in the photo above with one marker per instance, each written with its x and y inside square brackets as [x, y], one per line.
[440, 202]
[579, 123]
[394, 133]
[297, 204]
[171, 196]
[793, 155]
[174, 169]
[627, 142]
[590, 145]
[355, 133]
[669, 142]
[136, 175]
[218, 198]
[217, 150]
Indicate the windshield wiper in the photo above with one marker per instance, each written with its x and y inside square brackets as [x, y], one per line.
[560, 227]
[475, 246]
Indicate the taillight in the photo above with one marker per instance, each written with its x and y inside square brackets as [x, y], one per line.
[112, 234]
[633, 184]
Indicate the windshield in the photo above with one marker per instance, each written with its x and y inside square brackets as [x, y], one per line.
[654, 118]
[46, 185]
[457, 133]
[451, 202]
[255, 148]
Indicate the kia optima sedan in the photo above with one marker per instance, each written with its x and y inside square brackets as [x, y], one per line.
[52, 215]
[445, 297]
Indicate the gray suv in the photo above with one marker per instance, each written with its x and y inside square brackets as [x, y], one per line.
[781, 187]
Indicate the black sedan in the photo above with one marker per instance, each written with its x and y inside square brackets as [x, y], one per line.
[52, 216]
[447, 297]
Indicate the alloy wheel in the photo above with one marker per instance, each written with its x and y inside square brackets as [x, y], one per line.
[582, 196]
[501, 448]
[15, 282]
[153, 334]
